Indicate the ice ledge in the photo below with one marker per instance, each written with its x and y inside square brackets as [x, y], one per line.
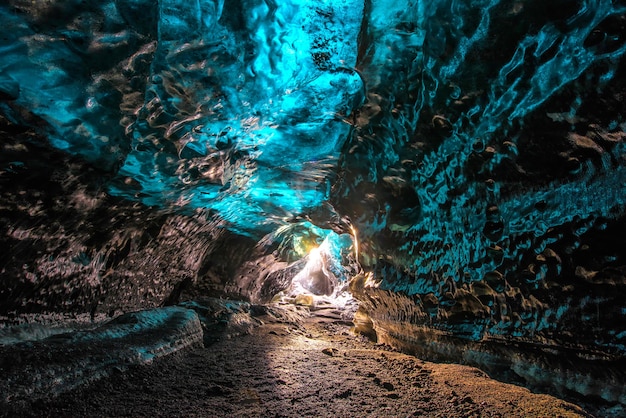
[46, 368]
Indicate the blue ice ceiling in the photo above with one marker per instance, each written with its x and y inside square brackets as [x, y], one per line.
[193, 105]
[244, 107]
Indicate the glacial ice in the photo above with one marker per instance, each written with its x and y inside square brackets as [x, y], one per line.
[473, 149]
[193, 105]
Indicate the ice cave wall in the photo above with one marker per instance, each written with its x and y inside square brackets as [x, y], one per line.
[495, 187]
[154, 151]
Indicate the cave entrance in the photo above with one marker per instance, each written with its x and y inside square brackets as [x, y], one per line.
[321, 261]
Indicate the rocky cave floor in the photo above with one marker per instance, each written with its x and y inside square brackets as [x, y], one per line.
[292, 365]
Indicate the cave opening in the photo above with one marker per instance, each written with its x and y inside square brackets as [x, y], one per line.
[318, 265]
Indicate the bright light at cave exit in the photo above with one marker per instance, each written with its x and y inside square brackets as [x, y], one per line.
[329, 263]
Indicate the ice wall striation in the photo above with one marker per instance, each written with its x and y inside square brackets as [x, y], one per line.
[490, 151]
[490, 189]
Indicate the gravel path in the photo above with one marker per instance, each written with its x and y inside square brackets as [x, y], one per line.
[313, 367]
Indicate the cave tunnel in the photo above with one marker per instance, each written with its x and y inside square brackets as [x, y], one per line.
[313, 208]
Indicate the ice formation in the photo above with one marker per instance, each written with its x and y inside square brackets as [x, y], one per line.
[474, 149]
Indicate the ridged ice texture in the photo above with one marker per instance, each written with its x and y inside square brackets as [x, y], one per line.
[486, 174]
[476, 110]
[237, 108]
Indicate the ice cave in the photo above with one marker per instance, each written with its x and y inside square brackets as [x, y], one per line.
[319, 208]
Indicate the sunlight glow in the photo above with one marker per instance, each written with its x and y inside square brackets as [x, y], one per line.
[356, 243]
